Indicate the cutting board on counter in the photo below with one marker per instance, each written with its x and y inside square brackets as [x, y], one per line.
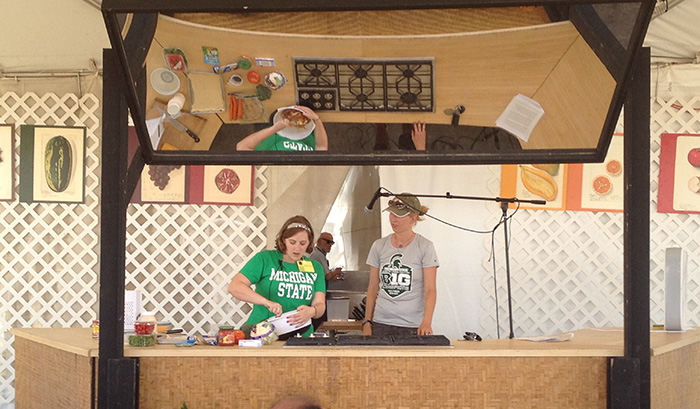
[173, 137]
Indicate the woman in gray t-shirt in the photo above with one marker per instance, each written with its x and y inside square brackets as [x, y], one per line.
[402, 281]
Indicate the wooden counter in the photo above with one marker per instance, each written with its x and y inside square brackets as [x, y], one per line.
[491, 373]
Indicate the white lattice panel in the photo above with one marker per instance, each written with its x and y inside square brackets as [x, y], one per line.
[182, 258]
[49, 253]
[567, 267]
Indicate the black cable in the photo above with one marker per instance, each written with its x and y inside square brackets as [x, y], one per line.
[452, 224]
[501, 221]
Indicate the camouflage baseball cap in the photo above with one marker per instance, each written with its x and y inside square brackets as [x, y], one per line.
[404, 204]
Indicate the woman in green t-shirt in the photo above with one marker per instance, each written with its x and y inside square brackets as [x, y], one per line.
[269, 139]
[285, 280]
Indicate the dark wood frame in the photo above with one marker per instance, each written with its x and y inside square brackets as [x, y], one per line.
[628, 377]
[9, 156]
[132, 49]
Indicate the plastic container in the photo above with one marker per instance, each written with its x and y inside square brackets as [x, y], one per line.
[175, 104]
[275, 80]
[146, 324]
[142, 340]
[144, 327]
[165, 81]
[229, 336]
[235, 80]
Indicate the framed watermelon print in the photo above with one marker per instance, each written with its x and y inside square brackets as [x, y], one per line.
[52, 164]
[7, 161]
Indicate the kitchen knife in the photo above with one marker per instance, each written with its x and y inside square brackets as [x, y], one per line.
[178, 125]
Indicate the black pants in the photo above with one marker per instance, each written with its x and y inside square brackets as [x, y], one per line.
[384, 330]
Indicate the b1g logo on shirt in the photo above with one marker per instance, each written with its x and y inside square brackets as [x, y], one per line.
[395, 277]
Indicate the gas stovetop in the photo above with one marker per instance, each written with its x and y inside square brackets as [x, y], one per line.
[402, 85]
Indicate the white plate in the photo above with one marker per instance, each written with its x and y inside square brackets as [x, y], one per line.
[165, 81]
[282, 326]
[292, 132]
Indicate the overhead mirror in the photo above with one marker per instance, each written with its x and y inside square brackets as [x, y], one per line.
[280, 83]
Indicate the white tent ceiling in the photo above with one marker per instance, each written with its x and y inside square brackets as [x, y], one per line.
[674, 35]
[46, 35]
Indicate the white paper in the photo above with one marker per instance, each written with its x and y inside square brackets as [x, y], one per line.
[520, 116]
[550, 338]
[155, 130]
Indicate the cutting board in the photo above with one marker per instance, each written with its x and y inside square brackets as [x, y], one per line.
[175, 138]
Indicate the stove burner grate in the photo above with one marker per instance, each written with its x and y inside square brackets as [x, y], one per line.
[369, 84]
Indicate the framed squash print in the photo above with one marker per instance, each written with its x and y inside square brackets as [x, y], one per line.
[52, 164]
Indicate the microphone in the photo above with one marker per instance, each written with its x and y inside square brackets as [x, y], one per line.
[377, 194]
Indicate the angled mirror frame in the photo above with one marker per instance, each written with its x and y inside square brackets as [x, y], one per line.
[550, 63]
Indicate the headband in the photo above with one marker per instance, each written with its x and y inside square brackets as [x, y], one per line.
[298, 226]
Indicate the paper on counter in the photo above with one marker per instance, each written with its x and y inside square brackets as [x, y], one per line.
[550, 338]
[155, 129]
[520, 116]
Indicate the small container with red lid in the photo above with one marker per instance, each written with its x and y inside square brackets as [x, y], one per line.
[146, 324]
[144, 327]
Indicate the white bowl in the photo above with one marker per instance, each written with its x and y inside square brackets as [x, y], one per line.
[282, 326]
[293, 132]
[165, 81]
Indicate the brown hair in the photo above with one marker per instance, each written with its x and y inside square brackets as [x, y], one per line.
[292, 226]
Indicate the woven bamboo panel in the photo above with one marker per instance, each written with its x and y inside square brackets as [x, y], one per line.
[388, 22]
[675, 377]
[375, 382]
[46, 377]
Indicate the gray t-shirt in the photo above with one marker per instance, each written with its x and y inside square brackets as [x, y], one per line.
[318, 255]
[401, 298]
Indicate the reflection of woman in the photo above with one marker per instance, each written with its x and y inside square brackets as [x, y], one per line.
[413, 137]
[285, 280]
[268, 139]
[402, 282]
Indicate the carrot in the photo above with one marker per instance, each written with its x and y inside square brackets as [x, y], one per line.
[234, 110]
[240, 108]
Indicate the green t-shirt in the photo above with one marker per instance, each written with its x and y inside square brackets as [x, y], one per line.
[277, 142]
[283, 283]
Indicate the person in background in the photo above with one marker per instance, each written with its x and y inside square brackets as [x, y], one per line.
[323, 247]
[268, 139]
[402, 290]
[413, 137]
[285, 280]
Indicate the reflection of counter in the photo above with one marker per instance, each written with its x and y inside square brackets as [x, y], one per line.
[546, 58]
[491, 373]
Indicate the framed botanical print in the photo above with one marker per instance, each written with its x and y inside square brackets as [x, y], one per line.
[52, 164]
[7, 162]
[679, 174]
[227, 185]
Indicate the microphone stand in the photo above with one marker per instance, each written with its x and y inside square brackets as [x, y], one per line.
[504, 219]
